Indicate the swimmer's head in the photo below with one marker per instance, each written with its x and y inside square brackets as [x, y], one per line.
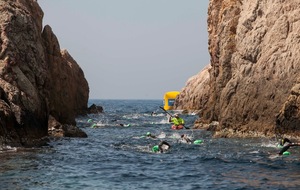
[155, 148]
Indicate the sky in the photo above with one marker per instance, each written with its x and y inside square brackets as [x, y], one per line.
[132, 49]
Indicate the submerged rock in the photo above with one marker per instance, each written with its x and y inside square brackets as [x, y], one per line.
[94, 109]
[57, 129]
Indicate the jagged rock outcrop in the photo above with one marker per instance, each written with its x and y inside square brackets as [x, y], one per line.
[196, 93]
[68, 88]
[287, 120]
[56, 129]
[94, 109]
[37, 79]
[255, 66]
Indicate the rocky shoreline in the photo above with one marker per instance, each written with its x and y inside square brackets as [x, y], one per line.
[42, 87]
[252, 84]
[250, 88]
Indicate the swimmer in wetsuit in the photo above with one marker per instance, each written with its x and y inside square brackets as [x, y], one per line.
[148, 134]
[185, 139]
[285, 148]
[283, 141]
[162, 147]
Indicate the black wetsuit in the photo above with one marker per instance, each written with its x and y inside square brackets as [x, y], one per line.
[185, 139]
[151, 136]
[164, 146]
[285, 148]
[283, 141]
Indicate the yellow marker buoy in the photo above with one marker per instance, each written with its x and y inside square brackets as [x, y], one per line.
[169, 99]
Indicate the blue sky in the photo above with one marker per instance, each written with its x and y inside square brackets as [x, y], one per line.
[132, 49]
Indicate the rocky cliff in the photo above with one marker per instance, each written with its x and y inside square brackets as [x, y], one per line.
[37, 79]
[253, 85]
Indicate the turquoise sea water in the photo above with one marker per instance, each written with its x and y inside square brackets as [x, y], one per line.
[115, 157]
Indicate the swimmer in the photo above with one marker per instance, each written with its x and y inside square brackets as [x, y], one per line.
[283, 141]
[162, 147]
[153, 113]
[124, 125]
[286, 147]
[148, 134]
[185, 139]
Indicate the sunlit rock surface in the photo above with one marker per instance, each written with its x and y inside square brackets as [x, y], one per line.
[37, 78]
[253, 84]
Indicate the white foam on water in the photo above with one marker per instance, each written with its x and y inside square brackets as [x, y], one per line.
[132, 116]
[269, 144]
[7, 149]
[163, 121]
[101, 124]
[175, 136]
[162, 135]
[274, 156]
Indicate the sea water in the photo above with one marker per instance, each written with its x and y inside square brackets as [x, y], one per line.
[120, 157]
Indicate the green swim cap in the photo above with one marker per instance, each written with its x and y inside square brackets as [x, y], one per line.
[155, 148]
[148, 133]
[286, 153]
[89, 120]
[198, 141]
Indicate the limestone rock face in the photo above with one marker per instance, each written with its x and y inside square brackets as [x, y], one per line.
[254, 67]
[196, 93]
[287, 120]
[37, 79]
[67, 88]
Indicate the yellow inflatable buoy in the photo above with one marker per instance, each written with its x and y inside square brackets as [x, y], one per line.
[169, 99]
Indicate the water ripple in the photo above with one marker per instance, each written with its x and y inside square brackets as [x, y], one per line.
[115, 157]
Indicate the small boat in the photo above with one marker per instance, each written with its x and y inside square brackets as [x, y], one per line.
[174, 127]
